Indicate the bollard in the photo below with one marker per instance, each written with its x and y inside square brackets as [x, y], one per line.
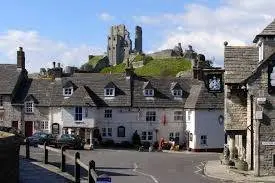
[63, 159]
[45, 153]
[91, 167]
[77, 168]
[27, 149]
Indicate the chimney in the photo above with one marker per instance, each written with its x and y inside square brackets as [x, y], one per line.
[20, 59]
[53, 64]
[58, 64]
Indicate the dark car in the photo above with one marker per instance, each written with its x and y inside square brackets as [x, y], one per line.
[71, 141]
[41, 138]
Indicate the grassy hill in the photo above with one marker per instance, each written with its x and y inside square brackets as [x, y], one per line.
[95, 60]
[156, 67]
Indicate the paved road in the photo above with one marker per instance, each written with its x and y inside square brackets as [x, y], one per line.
[125, 166]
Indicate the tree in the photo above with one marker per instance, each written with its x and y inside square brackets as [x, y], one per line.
[136, 138]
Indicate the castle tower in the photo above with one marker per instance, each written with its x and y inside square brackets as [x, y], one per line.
[138, 40]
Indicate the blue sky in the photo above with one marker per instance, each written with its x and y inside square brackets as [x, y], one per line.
[67, 31]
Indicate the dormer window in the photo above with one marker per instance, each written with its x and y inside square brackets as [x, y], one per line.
[68, 91]
[177, 93]
[148, 92]
[109, 92]
[29, 107]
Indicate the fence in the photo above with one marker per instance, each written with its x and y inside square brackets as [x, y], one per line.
[92, 176]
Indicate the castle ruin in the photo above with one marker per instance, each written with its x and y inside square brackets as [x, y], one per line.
[120, 45]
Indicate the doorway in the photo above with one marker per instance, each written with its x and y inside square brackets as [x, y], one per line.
[15, 125]
[28, 128]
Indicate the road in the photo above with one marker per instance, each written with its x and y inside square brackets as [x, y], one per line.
[126, 166]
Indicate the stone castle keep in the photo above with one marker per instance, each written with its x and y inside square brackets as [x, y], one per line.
[120, 45]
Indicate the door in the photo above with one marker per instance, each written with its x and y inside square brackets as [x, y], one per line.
[15, 124]
[28, 128]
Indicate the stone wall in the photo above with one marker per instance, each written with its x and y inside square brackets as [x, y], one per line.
[138, 64]
[9, 158]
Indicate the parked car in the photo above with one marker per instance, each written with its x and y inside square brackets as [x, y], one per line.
[41, 138]
[71, 141]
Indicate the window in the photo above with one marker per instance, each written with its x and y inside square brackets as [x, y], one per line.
[171, 136]
[273, 159]
[121, 131]
[44, 125]
[261, 52]
[190, 137]
[203, 140]
[148, 92]
[109, 92]
[143, 135]
[178, 116]
[188, 115]
[177, 93]
[29, 107]
[151, 116]
[78, 114]
[1, 100]
[110, 132]
[103, 132]
[108, 113]
[150, 135]
[67, 91]
[147, 136]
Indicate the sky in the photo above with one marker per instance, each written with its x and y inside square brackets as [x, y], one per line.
[68, 31]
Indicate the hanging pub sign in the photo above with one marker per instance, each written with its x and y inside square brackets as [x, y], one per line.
[55, 128]
[271, 78]
[214, 82]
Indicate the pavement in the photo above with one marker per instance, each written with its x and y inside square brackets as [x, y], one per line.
[215, 169]
[32, 171]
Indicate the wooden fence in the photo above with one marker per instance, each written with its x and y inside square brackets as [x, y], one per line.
[92, 176]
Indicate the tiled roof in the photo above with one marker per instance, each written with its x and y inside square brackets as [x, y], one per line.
[200, 98]
[80, 97]
[163, 95]
[239, 62]
[9, 76]
[268, 31]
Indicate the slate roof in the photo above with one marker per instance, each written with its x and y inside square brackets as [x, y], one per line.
[200, 98]
[163, 95]
[239, 62]
[268, 31]
[9, 76]
[80, 97]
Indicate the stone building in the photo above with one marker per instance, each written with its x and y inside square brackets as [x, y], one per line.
[120, 44]
[249, 99]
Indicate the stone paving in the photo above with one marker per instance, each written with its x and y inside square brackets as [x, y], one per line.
[215, 170]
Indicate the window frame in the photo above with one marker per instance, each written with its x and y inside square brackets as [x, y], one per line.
[144, 136]
[148, 92]
[118, 132]
[109, 92]
[78, 115]
[151, 116]
[29, 107]
[177, 93]
[188, 116]
[150, 134]
[43, 125]
[68, 91]
[179, 116]
[108, 113]
[110, 132]
[190, 137]
[104, 134]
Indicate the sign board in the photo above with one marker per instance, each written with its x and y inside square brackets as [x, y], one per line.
[103, 180]
[55, 128]
[268, 143]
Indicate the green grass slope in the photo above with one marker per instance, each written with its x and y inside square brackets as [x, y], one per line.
[156, 67]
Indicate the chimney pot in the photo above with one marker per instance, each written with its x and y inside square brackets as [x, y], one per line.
[20, 59]
[20, 49]
[58, 64]
[53, 64]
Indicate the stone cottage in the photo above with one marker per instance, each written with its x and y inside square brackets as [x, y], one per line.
[249, 101]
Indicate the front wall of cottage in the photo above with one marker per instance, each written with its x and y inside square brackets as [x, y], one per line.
[10, 113]
[266, 125]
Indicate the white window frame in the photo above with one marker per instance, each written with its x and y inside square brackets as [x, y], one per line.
[109, 92]
[151, 116]
[78, 116]
[149, 135]
[178, 115]
[177, 93]
[171, 136]
[190, 137]
[104, 134]
[68, 91]
[108, 113]
[143, 135]
[44, 125]
[148, 92]
[29, 107]
[203, 140]
[261, 51]
[188, 116]
[146, 136]
[110, 132]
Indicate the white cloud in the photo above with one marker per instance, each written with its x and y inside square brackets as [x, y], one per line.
[41, 52]
[235, 21]
[106, 16]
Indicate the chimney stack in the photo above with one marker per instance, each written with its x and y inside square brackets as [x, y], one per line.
[58, 64]
[53, 64]
[21, 59]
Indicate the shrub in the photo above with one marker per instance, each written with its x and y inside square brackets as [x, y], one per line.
[125, 144]
[156, 145]
[167, 146]
[108, 143]
[136, 139]
[241, 165]
[146, 144]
